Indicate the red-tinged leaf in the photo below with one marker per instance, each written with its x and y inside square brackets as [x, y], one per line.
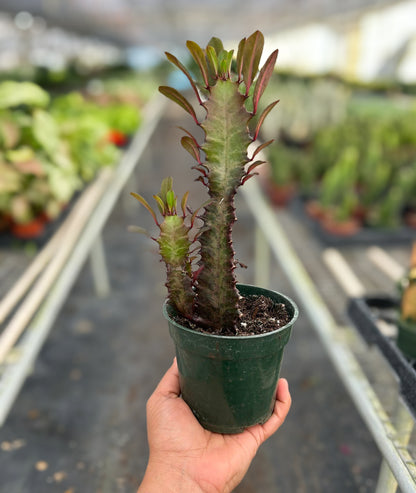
[190, 135]
[201, 169]
[195, 274]
[263, 79]
[260, 148]
[266, 111]
[212, 60]
[253, 166]
[144, 202]
[181, 67]
[195, 214]
[198, 55]
[184, 202]
[216, 43]
[189, 145]
[160, 204]
[202, 180]
[247, 177]
[240, 52]
[253, 48]
[177, 97]
[166, 185]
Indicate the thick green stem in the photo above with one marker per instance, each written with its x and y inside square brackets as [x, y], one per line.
[226, 141]
[174, 245]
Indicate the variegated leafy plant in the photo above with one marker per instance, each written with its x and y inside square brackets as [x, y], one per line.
[229, 90]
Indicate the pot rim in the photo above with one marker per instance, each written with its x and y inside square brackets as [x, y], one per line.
[291, 322]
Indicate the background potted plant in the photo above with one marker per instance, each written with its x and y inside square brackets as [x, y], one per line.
[49, 149]
[281, 179]
[228, 355]
[337, 200]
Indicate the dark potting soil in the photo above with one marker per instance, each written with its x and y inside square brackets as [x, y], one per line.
[258, 315]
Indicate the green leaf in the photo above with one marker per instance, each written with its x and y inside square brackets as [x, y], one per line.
[21, 154]
[266, 111]
[181, 67]
[144, 202]
[167, 184]
[62, 183]
[253, 49]
[16, 93]
[225, 59]
[184, 202]
[177, 97]
[46, 132]
[171, 201]
[216, 43]
[160, 204]
[263, 79]
[10, 179]
[240, 52]
[199, 57]
[212, 60]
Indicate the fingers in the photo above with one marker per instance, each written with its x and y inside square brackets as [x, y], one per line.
[281, 409]
[282, 392]
[169, 385]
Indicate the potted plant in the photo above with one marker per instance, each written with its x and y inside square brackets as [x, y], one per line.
[229, 338]
[338, 198]
[281, 179]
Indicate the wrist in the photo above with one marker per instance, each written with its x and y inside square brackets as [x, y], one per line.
[160, 476]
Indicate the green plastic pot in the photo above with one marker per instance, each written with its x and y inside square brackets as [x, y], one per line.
[406, 339]
[229, 382]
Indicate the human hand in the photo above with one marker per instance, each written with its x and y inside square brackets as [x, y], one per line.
[186, 458]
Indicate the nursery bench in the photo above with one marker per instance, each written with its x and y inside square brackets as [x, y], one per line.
[390, 429]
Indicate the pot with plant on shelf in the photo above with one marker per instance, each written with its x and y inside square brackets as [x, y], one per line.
[280, 180]
[336, 205]
[229, 337]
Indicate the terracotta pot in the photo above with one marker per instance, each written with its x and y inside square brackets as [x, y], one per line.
[348, 227]
[280, 195]
[30, 230]
[315, 210]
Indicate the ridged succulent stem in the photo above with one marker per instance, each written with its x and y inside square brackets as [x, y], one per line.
[225, 147]
[230, 100]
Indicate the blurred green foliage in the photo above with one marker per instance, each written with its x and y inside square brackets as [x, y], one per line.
[362, 157]
[51, 147]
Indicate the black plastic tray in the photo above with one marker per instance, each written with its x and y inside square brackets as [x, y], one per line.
[364, 312]
[365, 236]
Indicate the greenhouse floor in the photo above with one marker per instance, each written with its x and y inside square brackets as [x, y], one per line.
[78, 425]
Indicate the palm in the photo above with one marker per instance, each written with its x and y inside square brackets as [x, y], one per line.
[216, 462]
